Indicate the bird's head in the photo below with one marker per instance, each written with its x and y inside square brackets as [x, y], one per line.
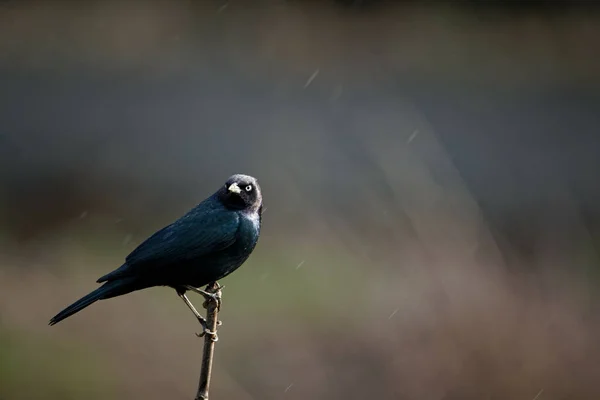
[241, 192]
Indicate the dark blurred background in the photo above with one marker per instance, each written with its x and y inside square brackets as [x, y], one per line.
[431, 181]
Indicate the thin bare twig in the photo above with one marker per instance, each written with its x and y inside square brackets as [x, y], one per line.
[212, 305]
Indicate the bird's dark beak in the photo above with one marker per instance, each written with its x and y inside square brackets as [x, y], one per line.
[234, 188]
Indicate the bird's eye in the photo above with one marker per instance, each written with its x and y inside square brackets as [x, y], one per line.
[248, 188]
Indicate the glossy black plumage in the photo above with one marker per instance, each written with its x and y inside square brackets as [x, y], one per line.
[208, 243]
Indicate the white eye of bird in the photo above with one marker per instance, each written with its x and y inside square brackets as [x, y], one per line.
[248, 188]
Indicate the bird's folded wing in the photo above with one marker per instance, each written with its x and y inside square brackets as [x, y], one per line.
[189, 238]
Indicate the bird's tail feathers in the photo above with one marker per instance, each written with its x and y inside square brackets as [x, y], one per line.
[106, 291]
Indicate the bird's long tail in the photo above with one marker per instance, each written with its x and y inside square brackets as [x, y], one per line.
[106, 291]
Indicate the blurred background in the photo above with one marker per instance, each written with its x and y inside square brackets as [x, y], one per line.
[431, 181]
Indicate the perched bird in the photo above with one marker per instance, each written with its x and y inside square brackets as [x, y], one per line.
[208, 243]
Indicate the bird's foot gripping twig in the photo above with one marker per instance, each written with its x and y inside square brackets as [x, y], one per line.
[213, 296]
[212, 304]
[208, 332]
[205, 330]
[203, 322]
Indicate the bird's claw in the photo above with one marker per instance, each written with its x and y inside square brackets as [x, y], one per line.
[208, 332]
[204, 323]
[208, 298]
[216, 297]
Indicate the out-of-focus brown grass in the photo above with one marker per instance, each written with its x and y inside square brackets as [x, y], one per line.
[328, 329]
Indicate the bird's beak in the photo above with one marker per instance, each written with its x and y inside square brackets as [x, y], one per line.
[235, 188]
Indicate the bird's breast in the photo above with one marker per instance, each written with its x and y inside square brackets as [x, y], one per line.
[254, 220]
[249, 230]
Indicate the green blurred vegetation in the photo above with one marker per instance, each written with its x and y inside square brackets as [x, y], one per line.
[35, 365]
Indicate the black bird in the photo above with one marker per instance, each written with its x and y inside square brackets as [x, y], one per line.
[208, 243]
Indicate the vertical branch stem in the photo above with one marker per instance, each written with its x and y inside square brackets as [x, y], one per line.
[212, 310]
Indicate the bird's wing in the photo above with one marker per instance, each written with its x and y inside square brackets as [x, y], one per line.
[188, 238]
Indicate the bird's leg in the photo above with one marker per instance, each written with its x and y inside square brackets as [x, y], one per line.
[216, 297]
[191, 307]
[201, 319]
